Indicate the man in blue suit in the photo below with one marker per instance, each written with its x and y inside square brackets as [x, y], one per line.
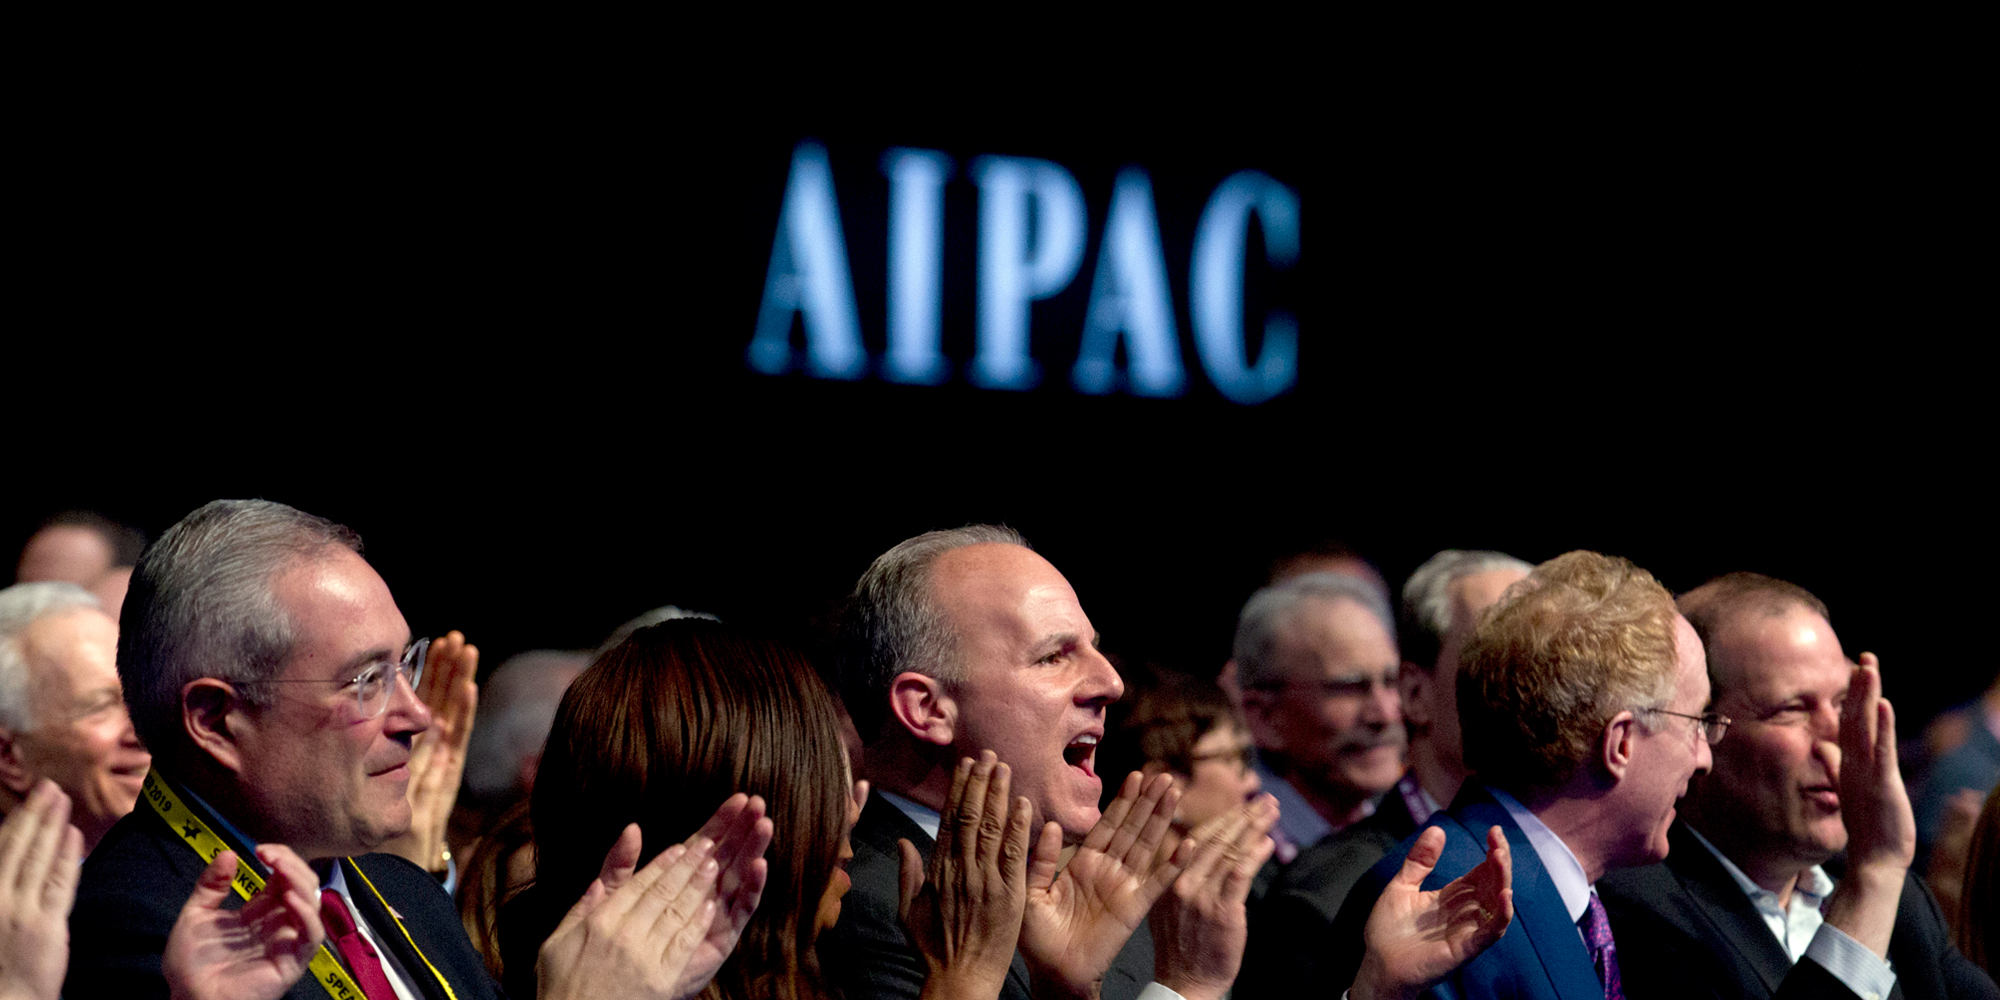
[1580, 696]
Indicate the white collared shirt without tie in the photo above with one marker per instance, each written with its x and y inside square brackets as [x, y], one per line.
[1803, 932]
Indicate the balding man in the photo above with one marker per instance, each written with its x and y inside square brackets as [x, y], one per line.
[62, 709]
[1745, 906]
[1316, 657]
[961, 641]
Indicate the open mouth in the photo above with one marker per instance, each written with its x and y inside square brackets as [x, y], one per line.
[1081, 754]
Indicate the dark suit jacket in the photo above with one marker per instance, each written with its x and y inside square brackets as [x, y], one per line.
[1541, 957]
[866, 954]
[134, 885]
[1685, 929]
[1290, 926]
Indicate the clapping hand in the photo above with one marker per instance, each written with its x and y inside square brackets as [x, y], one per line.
[964, 913]
[1081, 914]
[253, 953]
[1200, 926]
[661, 933]
[1416, 938]
[437, 757]
[38, 869]
[1875, 808]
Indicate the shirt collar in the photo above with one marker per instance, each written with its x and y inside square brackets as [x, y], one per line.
[229, 828]
[1563, 868]
[1296, 817]
[920, 814]
[1816, 883]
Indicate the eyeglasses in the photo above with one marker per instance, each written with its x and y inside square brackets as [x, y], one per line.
[376, 682]
[1344, 686]
[1713, 724]
[1241, 757]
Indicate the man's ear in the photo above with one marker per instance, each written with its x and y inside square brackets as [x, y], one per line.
[14, 773]
[924, 708]
[215, 716]
[1414, 684]
[1621, 736]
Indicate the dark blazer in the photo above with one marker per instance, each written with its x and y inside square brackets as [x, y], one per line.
[134, 885]
[1541, 957]
[1290, 926]
[1685, 929]
[866, 954]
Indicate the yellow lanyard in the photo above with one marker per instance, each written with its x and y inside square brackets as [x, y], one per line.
[191, 829]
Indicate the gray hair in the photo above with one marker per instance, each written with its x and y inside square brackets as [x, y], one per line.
[201, 605]
[517, 708]
[21, 605]
[892, 624]
[1258, 626]
[1425, 616]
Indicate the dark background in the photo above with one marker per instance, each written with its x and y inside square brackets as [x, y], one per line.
[502, 337]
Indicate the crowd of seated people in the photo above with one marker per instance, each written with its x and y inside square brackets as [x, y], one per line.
[236, 774]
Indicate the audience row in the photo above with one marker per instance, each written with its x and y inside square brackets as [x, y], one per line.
[1516, 781]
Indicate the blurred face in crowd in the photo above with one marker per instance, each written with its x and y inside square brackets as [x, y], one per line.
[1775, 785]
[65, 552]
[1430, 698]
[83, 739]
[1336, 720]
[1036, 687]
[1221, 778]
[1669, 751]
[315, 770]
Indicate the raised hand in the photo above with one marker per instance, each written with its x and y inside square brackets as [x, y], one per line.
[1200, 926]
[1881, 827]
[39, 851]
[1416, 938]
[663, 931]
[254, 953]
[965, 912]
[437, 757]
[1079, 915]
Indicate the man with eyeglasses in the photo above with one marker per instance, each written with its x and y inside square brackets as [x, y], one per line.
[1580, 697]
[267, 667]
[1316, 658]
[1745, 904]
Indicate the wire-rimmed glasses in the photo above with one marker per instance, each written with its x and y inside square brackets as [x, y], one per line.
[1713, 724]
[376, 683]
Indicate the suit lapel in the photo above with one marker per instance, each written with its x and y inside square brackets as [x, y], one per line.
[1539, 909]
[882, 824]
[416, 969]
[1721, 902]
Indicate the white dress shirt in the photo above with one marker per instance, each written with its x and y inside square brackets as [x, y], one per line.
[1803, 932]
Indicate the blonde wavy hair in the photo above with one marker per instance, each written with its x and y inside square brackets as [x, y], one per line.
[1584, 637]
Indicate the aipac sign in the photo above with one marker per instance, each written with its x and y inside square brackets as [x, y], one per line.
[1032, 235]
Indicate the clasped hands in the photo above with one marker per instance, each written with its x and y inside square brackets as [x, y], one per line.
[983, 894]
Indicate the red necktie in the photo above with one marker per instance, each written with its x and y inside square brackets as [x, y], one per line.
[360, 956]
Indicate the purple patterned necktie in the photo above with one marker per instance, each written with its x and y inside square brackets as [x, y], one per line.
[1596, 929]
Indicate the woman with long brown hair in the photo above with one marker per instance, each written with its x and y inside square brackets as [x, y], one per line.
[665, 726]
